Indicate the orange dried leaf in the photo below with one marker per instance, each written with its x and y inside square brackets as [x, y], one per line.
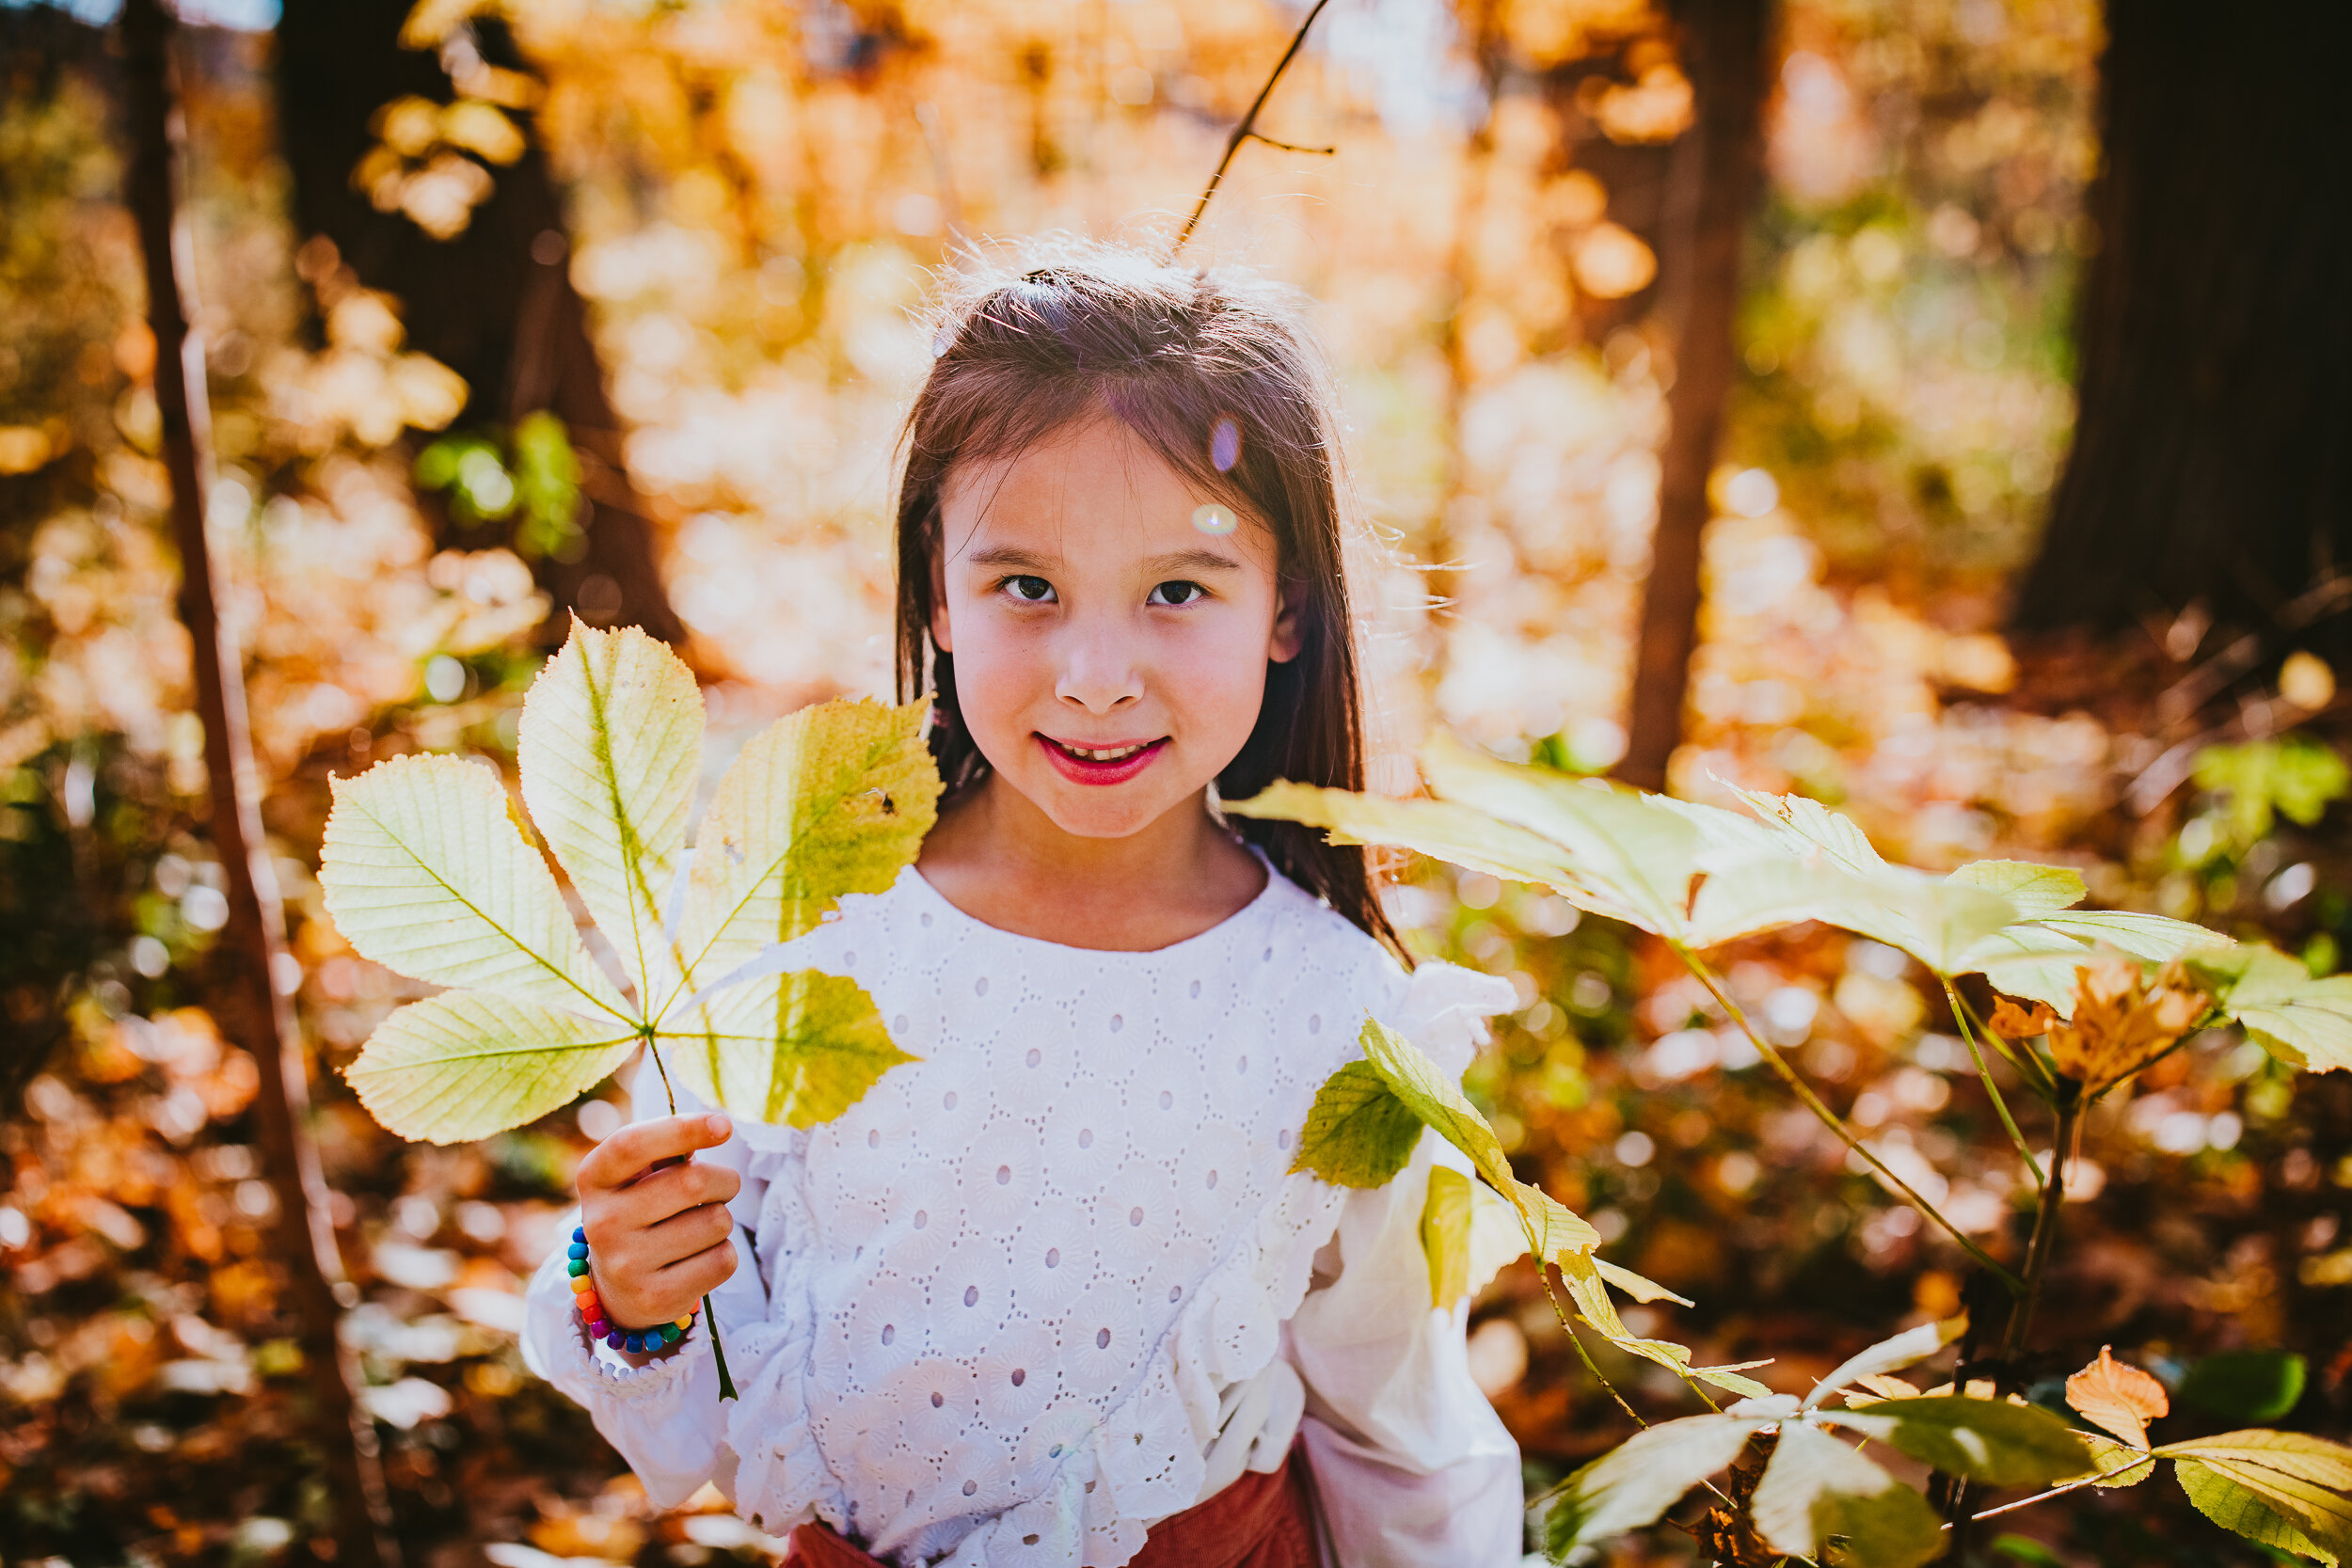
[2014, 1022]
[2117, 1397]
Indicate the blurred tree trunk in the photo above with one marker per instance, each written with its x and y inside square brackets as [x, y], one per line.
[1710, 193]
[496, 303]
[258, 1014]
[2213, 450]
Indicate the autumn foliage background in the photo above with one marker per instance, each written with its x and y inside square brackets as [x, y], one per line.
[740, 203]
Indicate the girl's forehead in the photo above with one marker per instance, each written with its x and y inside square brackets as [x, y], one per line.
[1096, 486]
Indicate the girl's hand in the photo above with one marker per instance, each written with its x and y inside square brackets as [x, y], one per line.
[658, 1226]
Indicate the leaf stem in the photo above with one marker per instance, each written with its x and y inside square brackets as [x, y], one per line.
[1543, 1271]
[710, 1313]
[2063, 1146]
[1830, 1118]
[1984, 1074]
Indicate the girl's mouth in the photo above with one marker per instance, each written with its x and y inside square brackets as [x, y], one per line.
[1102, 765]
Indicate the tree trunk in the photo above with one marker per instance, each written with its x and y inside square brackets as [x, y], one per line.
[1710, 193]
[494, 303]
[2213, 446]
[252, 951]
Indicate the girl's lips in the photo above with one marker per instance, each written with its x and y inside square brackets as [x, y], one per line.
[1084, 770]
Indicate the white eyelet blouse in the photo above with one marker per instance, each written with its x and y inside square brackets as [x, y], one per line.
[1052, 1283]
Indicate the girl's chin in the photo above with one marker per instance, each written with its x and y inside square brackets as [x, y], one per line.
[1092, 816]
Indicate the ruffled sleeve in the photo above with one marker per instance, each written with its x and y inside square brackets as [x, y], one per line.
[665, 1418]
[1411, 1463]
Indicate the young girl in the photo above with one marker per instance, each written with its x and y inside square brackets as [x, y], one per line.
[1051, 1294]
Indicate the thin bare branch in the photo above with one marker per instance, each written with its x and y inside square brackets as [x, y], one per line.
[1830, 1118]
[1245, 130]
[1292, 146]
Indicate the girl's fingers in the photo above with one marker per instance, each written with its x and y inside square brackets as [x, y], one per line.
[669, 1191]
[696, 1230]
[628, 1154]
[692, 1278]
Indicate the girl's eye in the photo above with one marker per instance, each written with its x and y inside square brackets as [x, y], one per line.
[1177, 592]
[1029, 590]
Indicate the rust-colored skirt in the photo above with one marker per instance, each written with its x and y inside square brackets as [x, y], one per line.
[1261, 1520]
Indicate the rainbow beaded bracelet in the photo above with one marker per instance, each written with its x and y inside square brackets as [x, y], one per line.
[592, 1313]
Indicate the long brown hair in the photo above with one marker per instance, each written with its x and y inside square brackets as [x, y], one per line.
[1213, 370]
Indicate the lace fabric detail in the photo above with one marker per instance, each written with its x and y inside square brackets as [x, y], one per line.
[1007, 1290]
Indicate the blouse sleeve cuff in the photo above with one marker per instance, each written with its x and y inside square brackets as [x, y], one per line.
[1444, 1012]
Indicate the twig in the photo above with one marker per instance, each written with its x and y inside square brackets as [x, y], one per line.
[2075, 1485]
[1292, 146]
[1830, 1118]
[1243, 132]
[1984, 1073]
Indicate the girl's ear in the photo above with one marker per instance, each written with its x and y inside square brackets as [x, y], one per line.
[1287, 639]
[940, 638]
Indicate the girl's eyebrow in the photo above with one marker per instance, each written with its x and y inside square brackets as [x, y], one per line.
[1007, 557]
[1194, 560]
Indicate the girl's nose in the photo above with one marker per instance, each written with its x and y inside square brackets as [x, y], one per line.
[1098, 677]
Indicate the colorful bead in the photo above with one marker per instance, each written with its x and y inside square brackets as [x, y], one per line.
[591, 1310]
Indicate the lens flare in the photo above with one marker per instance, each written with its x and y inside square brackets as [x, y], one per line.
[1225, 443]
[1209, 517]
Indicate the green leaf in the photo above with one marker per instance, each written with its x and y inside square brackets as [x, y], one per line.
[2304, 1022]
[1583, 1274]
[465, 1065]
[2117, 1465]
[1445, 1235]
[1423, 1089]
[610, 748]
[2270, 1509]
[1814, 824]
[1632, 1485]
[2247, 1386]
[1358, 1134]
[2035, 890]
[1636, 1286]
[2021, 1548]
[2151, 938]
[1988, 1440]
[424, 872]
[833, 799]
[1434, 828]
[2297, 776]
[1888, 1356]
[1820, 1498]
[1636, 855]
[2297, 1453]
[1936, 920]
[796, 1049]
[1496, 1237]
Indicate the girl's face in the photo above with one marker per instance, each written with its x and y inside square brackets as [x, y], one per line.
[1110, 655]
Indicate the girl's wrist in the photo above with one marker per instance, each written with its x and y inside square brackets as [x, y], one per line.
[637, 1346]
